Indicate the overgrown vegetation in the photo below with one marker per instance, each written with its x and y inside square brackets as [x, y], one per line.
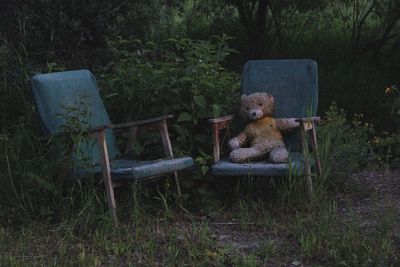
[187, 75]
[158, 57]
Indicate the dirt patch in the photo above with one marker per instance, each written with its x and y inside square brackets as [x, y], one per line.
[371, 196]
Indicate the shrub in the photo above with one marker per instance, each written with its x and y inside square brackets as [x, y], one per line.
[387, 144]
[182, 77]
[345, 145]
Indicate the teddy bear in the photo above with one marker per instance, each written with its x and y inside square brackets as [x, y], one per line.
[262, 134]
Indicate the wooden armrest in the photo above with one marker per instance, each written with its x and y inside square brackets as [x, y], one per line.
[310, 119]
[308, 123]
[221, 119]
[217, 125]
[132, 124]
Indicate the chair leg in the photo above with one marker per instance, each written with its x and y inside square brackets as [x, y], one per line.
[315, 149]
[105, 166]
[178, 186]
[168, 151]
[310, 189]
[110, 196]
[307, 167]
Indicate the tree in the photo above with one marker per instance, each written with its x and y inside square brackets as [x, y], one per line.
[77, 30]
[371, 23]
[253, 15]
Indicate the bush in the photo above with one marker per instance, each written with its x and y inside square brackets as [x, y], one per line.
[344, 145]
[387, 144]
[32, 178]
[182, 77]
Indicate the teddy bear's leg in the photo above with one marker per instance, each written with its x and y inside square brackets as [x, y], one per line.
[279, 155]
[243, 155]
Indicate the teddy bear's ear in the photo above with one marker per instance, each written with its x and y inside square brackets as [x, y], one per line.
[266, 95]
[269, 96]
[243, 97]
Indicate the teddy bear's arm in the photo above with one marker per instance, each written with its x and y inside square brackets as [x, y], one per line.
[237, 141]
[286, 124]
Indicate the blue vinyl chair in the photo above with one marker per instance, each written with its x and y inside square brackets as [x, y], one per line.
[294, 86]
[62, 97]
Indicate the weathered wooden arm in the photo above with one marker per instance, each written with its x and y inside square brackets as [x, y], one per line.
[310, 119]
[307, 124]
[98, 133]
[161, 125]
[133, 123]
[221, 119]
[158, 123]
[218, 124]
[153, 123]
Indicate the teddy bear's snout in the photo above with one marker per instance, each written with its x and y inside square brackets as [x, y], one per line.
[256, 114]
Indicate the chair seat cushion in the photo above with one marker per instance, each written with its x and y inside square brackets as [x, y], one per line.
[260, 168]
[124, 169]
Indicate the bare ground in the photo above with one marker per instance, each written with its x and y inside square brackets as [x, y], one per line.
[369, 197]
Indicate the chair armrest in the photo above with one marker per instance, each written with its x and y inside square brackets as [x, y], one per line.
[307, 124]
[132, 124]
[220, 119]
[218, 124]
[310, 119]
[158, 123]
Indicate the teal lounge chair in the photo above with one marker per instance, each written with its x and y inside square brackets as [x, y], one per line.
[294, 85]
[73, 95]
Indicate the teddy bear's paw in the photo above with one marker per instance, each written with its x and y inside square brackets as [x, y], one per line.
[238, 156]
[287, 124]
[233, 157]
[279, 155]
[293, 123]
[233, 144]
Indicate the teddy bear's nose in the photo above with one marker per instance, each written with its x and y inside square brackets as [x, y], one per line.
[254, 113]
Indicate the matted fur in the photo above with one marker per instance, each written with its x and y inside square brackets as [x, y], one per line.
[261, 135]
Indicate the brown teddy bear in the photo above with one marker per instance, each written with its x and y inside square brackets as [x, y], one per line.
[261, 134]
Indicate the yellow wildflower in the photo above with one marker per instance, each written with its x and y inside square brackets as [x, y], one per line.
[211, 254]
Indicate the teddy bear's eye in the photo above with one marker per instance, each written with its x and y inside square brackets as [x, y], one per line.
[260, 104]
[247, 108]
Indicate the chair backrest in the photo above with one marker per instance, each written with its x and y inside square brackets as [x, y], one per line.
[293, 83]
[65, 99]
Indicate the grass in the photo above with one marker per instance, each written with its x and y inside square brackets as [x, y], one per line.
[242, 222]
[250, 232]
